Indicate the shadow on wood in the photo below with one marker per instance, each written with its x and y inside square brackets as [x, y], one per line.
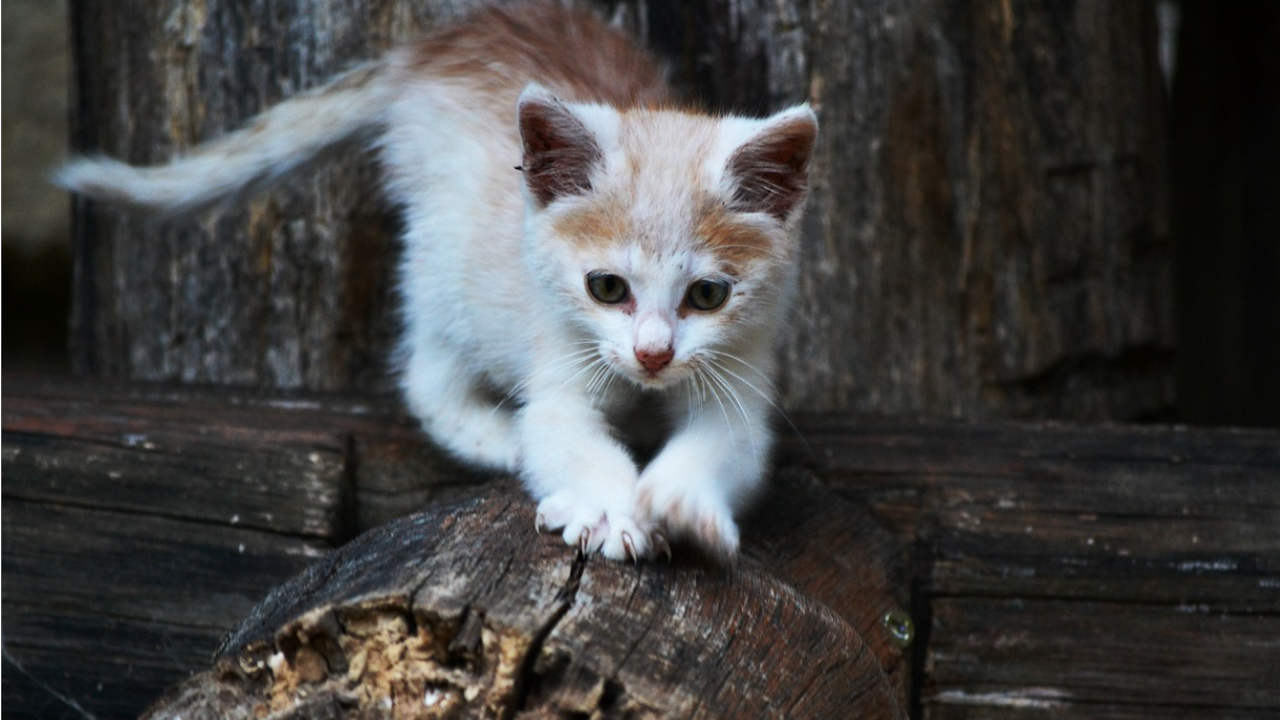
[464, 611]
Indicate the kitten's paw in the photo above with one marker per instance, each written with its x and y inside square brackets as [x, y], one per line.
[700, 517]
[615, 534]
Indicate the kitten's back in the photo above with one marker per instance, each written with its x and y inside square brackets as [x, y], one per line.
[500, 50]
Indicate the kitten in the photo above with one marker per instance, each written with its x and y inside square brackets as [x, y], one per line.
[642, 252]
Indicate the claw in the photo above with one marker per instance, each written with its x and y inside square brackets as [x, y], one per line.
[660, 544]
[540, 524]
[584, 541]
[629, 546]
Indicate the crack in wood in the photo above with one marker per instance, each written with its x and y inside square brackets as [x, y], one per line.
[527, 677]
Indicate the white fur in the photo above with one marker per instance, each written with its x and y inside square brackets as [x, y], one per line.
[494, 303]
[277, 144]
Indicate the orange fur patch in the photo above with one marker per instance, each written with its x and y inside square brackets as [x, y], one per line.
[598, 223]
[571, 52]
[736, 243]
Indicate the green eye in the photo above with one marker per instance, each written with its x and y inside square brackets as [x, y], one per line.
[708, 294]
[606, 288]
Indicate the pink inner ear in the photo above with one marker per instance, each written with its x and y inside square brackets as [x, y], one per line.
[772, 169]
[559, 151]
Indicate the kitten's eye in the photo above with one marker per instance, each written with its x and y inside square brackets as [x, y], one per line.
[608, 289]
[708, 294]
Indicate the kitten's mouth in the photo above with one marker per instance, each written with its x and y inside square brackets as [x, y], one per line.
[659, 379]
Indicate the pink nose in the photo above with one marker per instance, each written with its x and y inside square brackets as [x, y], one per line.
[654, 361]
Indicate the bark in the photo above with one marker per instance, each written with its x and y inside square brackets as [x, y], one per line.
[985, 237]
[464, 611]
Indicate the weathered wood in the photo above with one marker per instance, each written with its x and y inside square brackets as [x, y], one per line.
[995, 652]
[1074, 571]
[1147, 586]
[986, 236]
[136, 531]
[67, 446]
[465, 612]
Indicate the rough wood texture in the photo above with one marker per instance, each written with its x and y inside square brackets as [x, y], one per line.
[986, 235]
[465, 612]
[120, 532]
[1080, 572]
[1051, 570]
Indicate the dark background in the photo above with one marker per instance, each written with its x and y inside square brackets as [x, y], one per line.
[1224, 152]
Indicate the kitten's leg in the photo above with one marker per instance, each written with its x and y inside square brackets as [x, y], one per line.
[442, 393]
[584, 479]
[714, 462]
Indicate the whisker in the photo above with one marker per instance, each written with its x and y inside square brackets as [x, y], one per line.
[595, 386]
[707, 379]
[566, 360]
[713, 367]
[571, 378]
[721, 353]
[767, 398]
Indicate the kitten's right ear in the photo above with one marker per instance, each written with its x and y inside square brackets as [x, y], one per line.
[771, 168]
[559, 151]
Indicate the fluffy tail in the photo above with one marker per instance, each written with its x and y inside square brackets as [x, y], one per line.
[274, 145]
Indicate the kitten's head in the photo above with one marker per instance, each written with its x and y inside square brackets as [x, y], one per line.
[667, 238]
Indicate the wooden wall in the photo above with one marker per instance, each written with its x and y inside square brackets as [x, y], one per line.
[986, 234]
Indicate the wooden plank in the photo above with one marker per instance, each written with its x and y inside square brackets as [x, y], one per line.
[140, 524]
[1171, 515]
[389, 465]
[1033, 704]
[157, 567]
[1203, 536]
[64, 663]
[1072, 571]
[172, 473]
[1050, 654]
[844, 446]
[105, 608]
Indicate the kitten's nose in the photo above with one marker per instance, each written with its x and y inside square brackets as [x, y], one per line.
[654, 361]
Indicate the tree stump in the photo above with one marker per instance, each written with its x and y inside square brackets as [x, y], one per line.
[465, 611]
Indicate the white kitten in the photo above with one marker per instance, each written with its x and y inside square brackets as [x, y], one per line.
[642, 250]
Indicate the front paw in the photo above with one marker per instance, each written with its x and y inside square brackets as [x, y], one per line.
[700, 516]
[613, 532]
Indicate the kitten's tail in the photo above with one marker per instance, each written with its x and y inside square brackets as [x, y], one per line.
[274, 145]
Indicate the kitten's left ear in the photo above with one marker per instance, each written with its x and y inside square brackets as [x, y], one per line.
[559, 151]
[771, 168]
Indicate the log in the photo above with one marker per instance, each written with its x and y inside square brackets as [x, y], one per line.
[986, 236]
[464, 611]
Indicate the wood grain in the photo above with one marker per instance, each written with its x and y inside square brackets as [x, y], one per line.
[1051, 570]
[986, 237]
[1077, 571]
[297, 470]
[489, 620]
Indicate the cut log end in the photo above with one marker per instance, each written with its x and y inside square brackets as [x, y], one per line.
[465, 611]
